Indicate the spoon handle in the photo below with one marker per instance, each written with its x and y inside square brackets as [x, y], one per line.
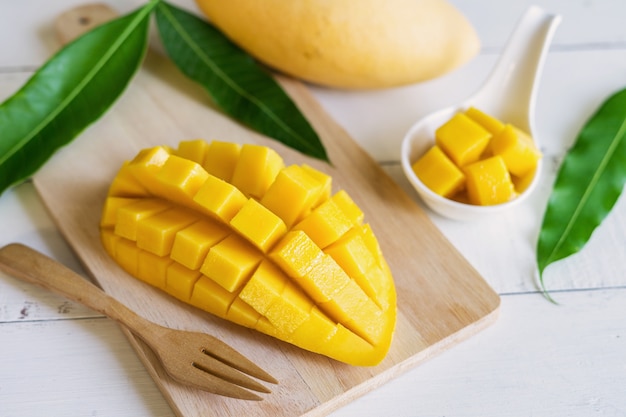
[512, 84]
[23, 262]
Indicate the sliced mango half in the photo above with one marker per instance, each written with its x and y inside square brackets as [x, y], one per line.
[231, 230]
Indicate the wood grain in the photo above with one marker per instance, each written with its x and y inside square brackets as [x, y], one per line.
[442, 300]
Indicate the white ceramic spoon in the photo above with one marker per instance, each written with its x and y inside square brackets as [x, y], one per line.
[509, 95]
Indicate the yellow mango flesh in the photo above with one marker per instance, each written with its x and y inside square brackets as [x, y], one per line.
[462, 139]
[516, 149]
[461, 165]
[439, 173]
[489, 182]
[229, 229]
[487, 121]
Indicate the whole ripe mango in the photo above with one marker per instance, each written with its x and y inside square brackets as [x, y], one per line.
[349, 44]
[230, 229]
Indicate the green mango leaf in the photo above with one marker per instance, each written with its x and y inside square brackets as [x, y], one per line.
[68, 93]
[235, 82]
[588, 184]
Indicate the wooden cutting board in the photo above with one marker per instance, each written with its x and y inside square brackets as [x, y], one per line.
[442, 300]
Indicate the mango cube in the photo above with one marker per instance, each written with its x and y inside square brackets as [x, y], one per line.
[331, 219]
[324, 280]
[181, 178]
[126, 185]
[109, 212]
[109, 239]
[193, 150]
[156, 233]
[522, 183]
[517, 150]
[221, 158]
[219, 198]
[152, 268]
[325, 181]
[348, 304]
[349, 208]
[129, 215]
[242, 313]
[259, 225]
[352, 253]
[439, 173]
[492, 124]
[256, 169]
[231, 262]
[265, 285]
[462, 139]
[127, 255]
[489, 182]
[209, 296]
[145, 166]
[192, 244]
[292, 194]
[180, 281]
[315, 331]
[296, 254]
[290, 310]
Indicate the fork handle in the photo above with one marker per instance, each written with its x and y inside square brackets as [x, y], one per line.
[32, 266]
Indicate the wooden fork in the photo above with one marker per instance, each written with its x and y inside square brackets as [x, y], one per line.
[192, 358]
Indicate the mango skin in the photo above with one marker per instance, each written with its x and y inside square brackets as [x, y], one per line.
[244, 254]
[363, 44]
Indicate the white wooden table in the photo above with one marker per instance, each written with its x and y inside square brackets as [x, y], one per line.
[539, 359]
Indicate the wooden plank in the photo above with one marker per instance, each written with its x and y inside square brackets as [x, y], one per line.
[73, 368]
[533, 359]
[442, 299]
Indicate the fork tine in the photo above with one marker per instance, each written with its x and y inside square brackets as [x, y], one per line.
[213, 366]
[207, 382]
[226, 354]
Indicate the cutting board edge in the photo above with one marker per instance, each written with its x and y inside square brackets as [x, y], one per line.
[412, 362]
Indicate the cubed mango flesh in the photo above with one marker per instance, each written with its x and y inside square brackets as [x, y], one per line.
[462, 139]
[124, 184]
[221, 158]
[230, 230]
[439, 173]
[292, 194]
[489, 182]
[182, 178]
[462, 158]
[180, 281]
[231, 262]
[193, 150]
[331, 219]
[256, 169]
[152, 268]
[219, 198]
[156, 233]
[192, 244]
[492, 124]
[259, 225]
[517, 150]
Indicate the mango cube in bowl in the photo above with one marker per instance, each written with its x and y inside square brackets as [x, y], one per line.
[489, 182]
[439, 173]
[462, 139]
[517, 149]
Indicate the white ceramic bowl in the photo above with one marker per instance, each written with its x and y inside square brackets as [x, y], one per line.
[417, 141]
[508, 94]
